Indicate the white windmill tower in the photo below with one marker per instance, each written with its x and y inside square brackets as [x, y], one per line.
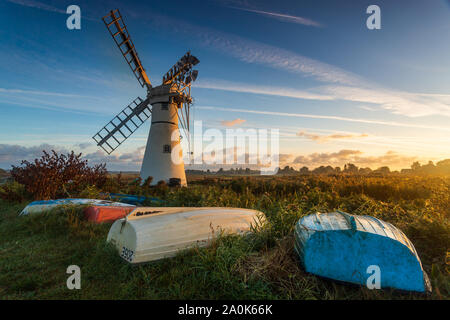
[167, 104]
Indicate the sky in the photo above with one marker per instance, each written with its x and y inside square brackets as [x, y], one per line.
[337, 91]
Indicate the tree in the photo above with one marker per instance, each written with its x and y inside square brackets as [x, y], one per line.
[304, 170]
[415, 166]
[443, 167]
[364, 171]
[350, 168]
[383, 170]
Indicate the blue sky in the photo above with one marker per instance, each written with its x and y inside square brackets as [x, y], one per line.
[337, 91]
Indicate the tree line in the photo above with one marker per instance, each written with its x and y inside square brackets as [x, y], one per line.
[440, 168]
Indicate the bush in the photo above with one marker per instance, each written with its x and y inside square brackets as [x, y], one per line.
[55, 175]
[13, 192]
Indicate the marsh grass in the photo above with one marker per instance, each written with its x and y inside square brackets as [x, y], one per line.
[36, 250]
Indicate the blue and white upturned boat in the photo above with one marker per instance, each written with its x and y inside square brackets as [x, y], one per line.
[346, 247]
[41, 206]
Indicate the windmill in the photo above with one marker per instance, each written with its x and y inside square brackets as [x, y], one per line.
[168, 105]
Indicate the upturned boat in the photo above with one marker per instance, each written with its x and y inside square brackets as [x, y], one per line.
[353, 248]
[152, 233]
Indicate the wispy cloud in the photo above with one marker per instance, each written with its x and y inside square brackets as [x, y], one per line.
[283, 17]
[399, 102]
[342, 85]
[256, 89]
[250, 51]
[325, 138]
[37, 5]
[46, 7]
[232, 122]
[316, 116]
[55, 101]
[43, 93]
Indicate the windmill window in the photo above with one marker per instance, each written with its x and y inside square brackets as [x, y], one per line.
[164, 106]
[166, 148]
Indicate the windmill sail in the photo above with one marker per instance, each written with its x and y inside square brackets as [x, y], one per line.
[118, 30]
[123, 125]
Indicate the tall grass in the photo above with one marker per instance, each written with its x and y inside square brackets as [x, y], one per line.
[36, 250]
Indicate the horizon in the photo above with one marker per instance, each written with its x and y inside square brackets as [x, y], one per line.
[338, 92]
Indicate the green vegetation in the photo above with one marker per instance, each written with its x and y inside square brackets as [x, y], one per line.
[36, 250]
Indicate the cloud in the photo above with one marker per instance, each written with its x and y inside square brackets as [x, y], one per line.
[128, 161]
[285, 157]
[342, 85]
[254, 52]
[232, 122]
[399, 102]
[83, 145]
[45, 7]
[326, 138]
[327, 157]
[256, 89]
[55, 101]
[43, 93]
[13, 154]
[37, 5]
[340, 158]
[315, 116]
[283, 17]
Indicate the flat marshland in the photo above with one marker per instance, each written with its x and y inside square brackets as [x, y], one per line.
[36, 250]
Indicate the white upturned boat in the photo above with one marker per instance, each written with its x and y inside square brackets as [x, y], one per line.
[153, 233]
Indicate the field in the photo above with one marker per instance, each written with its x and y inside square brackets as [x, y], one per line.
[35, 251]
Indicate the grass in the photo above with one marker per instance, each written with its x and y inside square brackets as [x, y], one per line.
[36, 250]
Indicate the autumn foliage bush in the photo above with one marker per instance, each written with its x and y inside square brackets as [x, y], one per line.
[58, 175]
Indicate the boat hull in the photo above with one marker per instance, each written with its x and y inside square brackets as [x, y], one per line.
[41, 206]
[352, 248]
[100, 214]
[154, 233]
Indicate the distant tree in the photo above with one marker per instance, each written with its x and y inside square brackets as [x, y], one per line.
[324, 170]
[428, 168]
[415, 166]
[287, 170]
[350, 168]
[443, 163]
[383, 170]
[443, 167]
[304, 170]
[364, 171]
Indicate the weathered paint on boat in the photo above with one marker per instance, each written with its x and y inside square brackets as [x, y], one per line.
[99, 214]
[45, 205]
[342, 246]
[152, 233]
